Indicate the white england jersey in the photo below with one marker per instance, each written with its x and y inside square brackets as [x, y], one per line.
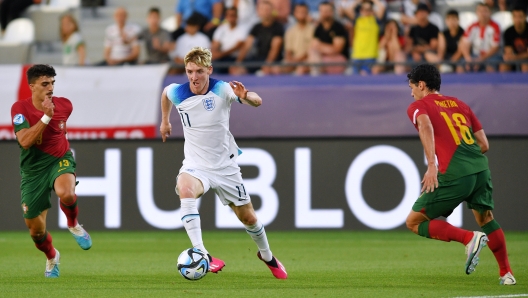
[205, 119]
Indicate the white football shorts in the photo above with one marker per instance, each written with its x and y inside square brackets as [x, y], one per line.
[226, 183]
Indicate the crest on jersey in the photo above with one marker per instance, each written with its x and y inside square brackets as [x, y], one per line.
[209, 103]
[62, 125]
[18, 119]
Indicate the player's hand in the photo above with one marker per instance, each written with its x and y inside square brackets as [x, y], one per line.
[430, 179]
[165, 130]
[48, 106]
[239, 89]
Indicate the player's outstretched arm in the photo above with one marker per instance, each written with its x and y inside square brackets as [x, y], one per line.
[426, 132]
[246, 97]
[166, 107]
[482, 140]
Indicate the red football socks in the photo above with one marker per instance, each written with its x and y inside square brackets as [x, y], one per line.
[497, 244]
[444, 231]
[44, 244]
[71, 212]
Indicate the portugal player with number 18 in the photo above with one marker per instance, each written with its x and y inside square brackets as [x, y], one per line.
[451, 133]
[46, 162]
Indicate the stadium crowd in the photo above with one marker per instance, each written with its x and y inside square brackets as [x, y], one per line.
[314, 36]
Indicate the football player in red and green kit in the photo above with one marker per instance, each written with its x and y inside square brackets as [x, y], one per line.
[46, 162]
[451, 133]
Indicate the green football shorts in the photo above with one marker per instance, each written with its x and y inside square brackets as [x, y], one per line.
[36, 189]
[476, 190]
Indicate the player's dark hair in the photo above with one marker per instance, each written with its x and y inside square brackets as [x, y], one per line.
[40, 70]
[452, 12]
[427, 73]
[154, 10]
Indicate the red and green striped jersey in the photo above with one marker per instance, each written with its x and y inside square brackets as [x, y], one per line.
[52, 144]
[454, 125]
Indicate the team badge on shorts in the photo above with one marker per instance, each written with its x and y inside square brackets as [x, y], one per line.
[25, 208]
[18, 119]
[209, 103]
[62, 125]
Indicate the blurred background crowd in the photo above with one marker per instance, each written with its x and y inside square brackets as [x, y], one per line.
[269, 37]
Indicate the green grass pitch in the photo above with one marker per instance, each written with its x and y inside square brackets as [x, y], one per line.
[319, 264]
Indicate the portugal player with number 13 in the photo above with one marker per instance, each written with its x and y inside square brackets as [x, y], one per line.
[451, 133]
[46, 162]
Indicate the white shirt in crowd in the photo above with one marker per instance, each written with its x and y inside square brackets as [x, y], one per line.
[113, 39]
[247, 15]
[228, 37]
[186, 42]
[69, 49]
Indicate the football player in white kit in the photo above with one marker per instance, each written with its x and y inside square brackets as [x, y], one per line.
[210, 151]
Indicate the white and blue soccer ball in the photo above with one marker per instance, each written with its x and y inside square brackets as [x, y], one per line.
[193, 264]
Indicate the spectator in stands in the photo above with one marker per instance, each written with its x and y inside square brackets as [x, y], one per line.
[13, 9]
[313, 7]
[157, 40]
[73, 48]
[448, 40]
[366, 34]
[423, 37]
[390, 49]
[268, 35]
[247, 16]
[516, 41]
[297, 40]
[481, 41]
[121, 45]
[281, 10]
[210, 12]
[408, 9]
[228, 39]
[330, 42]
[190, 39]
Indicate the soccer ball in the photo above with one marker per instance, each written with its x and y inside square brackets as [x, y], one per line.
[193, 264]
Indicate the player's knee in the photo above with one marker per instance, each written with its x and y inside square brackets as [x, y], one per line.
[66, 195]
[248, 219]
[186, 191]
[37, 234]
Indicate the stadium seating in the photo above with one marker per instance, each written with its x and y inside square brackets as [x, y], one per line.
[437, 20]
[503, 18]
[467, 18]
[46, 18]
[17, 43]
[169, 23]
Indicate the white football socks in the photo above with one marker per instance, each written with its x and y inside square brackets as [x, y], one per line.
[191, 221]
[258, 233]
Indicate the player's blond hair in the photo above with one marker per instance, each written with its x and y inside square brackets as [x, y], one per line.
[199, 56]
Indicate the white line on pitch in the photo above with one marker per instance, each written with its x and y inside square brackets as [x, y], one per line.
[499, 296]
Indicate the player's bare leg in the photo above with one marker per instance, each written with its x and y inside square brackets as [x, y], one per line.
[191, 189]
[43, 241]
[246, 214]
[421, 225]
[497, 244]
[64, 187]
